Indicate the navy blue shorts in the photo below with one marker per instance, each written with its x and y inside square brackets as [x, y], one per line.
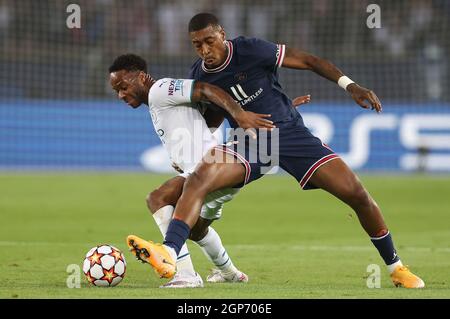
[299, 153]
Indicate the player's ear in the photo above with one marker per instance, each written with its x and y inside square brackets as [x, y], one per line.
[142, 77]
[223, 34]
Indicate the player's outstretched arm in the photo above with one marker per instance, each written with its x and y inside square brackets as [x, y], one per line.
[205, 91]
[297, 59]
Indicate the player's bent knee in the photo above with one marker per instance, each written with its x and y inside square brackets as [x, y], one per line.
[152, 201]
[157, 199]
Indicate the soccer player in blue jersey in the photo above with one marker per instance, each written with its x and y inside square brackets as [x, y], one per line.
[247, 69]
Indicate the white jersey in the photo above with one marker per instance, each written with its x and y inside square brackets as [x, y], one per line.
[179, 123]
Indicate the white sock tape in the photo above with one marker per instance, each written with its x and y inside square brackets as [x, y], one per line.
[344, 81]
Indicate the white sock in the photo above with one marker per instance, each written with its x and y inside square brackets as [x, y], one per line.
[214, 250]
[184, 263]
[392, 267]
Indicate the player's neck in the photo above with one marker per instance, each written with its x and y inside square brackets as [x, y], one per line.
[225, 56]
[148, 83]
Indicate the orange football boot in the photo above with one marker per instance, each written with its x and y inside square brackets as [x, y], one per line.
[403, 277]
[156, 255]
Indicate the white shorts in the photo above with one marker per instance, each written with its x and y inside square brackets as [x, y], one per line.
[212, 208]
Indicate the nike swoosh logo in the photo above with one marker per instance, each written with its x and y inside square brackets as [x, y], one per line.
[167, 262]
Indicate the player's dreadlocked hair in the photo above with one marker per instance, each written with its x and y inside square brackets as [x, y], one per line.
[128, 62]
[202, 20]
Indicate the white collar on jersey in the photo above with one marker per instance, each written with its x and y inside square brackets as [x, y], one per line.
[224, 64]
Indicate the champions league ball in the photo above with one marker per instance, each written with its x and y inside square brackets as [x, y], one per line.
[104, 266]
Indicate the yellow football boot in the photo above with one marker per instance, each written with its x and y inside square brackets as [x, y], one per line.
[156, 255]
[403, 277]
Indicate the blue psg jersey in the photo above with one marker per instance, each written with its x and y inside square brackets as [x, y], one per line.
[249, 74]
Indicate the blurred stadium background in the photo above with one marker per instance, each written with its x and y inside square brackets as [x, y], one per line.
[57, 110]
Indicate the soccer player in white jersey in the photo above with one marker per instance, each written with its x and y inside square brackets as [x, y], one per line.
[186, 137]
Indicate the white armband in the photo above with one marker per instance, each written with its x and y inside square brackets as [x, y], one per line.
[344, 81]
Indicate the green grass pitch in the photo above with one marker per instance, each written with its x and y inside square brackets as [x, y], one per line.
[291, 243]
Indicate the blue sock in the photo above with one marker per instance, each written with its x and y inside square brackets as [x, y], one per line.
[177, 234]
[386, 248]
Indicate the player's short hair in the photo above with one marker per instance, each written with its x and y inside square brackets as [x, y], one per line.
[202, 20]
[128, 62]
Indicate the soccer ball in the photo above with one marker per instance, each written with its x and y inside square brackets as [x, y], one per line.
[104, 266]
